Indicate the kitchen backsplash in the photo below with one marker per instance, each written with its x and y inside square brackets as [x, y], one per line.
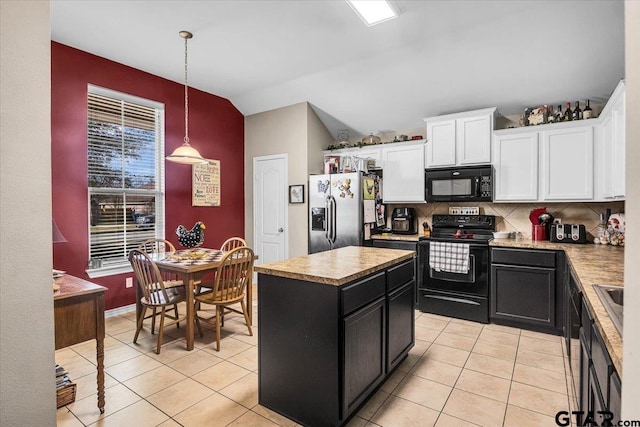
[514, 217]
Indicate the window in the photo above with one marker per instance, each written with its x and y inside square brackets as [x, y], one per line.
[126, 177]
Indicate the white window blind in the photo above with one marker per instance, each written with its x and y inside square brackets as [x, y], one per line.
[126, 175]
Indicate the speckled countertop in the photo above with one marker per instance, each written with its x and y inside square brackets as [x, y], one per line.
[591, 264]
[336, 267]
[391, 236]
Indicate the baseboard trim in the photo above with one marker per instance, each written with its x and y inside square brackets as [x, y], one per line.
[120, 310]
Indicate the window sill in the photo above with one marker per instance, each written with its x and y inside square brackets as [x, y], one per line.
[109, 271]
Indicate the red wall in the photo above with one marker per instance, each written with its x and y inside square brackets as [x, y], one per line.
[216, 129]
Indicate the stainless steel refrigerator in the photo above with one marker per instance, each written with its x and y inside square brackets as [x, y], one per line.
[336, 209]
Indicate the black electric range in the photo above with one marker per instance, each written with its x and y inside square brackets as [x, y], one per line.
[454, 292]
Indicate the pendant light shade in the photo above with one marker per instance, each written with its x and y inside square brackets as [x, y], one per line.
[185, 153]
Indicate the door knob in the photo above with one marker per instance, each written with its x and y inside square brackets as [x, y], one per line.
[280, 230]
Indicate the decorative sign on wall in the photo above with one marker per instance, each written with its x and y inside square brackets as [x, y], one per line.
[206, 184]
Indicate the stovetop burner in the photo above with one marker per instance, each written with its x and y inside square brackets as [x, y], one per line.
[462, 228]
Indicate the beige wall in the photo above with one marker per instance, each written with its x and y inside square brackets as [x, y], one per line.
[294, 130]
[631, 349]
[26, 305]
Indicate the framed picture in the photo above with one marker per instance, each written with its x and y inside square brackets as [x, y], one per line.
[296, 193]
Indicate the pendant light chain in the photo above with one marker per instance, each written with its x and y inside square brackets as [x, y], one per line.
[186, 154]
[186, 95]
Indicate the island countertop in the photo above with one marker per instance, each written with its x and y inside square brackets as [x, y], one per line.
[591, 264]
[336, 267]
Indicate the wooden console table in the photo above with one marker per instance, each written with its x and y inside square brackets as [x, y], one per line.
[79, 316]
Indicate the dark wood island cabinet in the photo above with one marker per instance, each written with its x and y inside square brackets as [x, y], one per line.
[332, 327]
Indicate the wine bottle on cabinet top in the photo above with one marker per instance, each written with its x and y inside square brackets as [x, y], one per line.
[577, 112]
[551, 116]
[559, 113]
[588, 112]
[568, 116]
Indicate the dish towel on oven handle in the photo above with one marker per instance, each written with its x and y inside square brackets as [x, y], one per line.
[449, 257]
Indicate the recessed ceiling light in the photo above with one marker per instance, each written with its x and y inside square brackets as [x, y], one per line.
[373, 11]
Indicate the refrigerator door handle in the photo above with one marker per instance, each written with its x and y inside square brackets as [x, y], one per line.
[327, 219]
[333, 220]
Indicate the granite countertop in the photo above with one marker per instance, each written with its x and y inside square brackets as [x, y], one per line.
[591, 264]
[336, 267]
[391, 236]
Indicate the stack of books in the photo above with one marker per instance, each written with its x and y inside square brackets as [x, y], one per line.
[62, 377]
[65, 389]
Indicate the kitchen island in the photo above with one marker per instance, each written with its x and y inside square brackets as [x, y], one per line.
[332, 327]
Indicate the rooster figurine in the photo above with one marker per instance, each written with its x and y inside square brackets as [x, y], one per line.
[191, 238]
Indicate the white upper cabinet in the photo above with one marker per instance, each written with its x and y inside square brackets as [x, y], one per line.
[516, 166]
[460, 139]
[610, 148]
[474, 139]
[441, 146]
[566, 157]
[403, 172]
[545, 163]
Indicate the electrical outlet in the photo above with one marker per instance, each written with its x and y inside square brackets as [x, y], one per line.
[557, 220]
[128, 282]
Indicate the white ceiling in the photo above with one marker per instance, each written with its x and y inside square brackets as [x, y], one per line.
[438, 57]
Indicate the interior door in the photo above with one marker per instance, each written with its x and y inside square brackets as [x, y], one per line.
[270, 208]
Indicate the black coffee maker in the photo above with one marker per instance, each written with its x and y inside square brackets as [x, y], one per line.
[404, 221]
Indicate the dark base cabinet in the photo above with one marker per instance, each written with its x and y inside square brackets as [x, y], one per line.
[404, 245]
[324, 349]
[600, 384]
[526, 289]
[364, 353]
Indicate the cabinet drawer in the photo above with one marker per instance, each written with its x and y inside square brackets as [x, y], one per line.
[362, 292]
[587, 321]
[533, 258]
[400, 274]
[600, 360]
[394, 244]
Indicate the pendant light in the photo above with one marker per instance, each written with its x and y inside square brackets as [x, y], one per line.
[186, 154]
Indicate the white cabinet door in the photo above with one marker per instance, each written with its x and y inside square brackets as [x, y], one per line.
[566, 158]
[515, 159]
[474, 140]
[610, 148]
[441, 143]
[605, 158]
[403, 176]
[618, 149]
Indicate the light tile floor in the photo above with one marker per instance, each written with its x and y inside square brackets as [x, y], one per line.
[459, 373]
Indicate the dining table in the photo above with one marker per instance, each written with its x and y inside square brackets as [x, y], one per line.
[190, 266]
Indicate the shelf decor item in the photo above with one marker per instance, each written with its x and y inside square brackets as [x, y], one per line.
[371, 139]
[296, 193]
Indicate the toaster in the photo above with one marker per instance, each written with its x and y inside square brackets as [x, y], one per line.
[568, 233]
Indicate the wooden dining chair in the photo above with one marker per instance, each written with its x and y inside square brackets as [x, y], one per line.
[232, 243]
[162, 246]
[232, 278]
[155, 294]
[157, 246]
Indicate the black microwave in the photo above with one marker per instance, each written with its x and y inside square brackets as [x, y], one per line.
[459, 184]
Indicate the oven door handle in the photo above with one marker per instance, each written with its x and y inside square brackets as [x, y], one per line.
[460, 300]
